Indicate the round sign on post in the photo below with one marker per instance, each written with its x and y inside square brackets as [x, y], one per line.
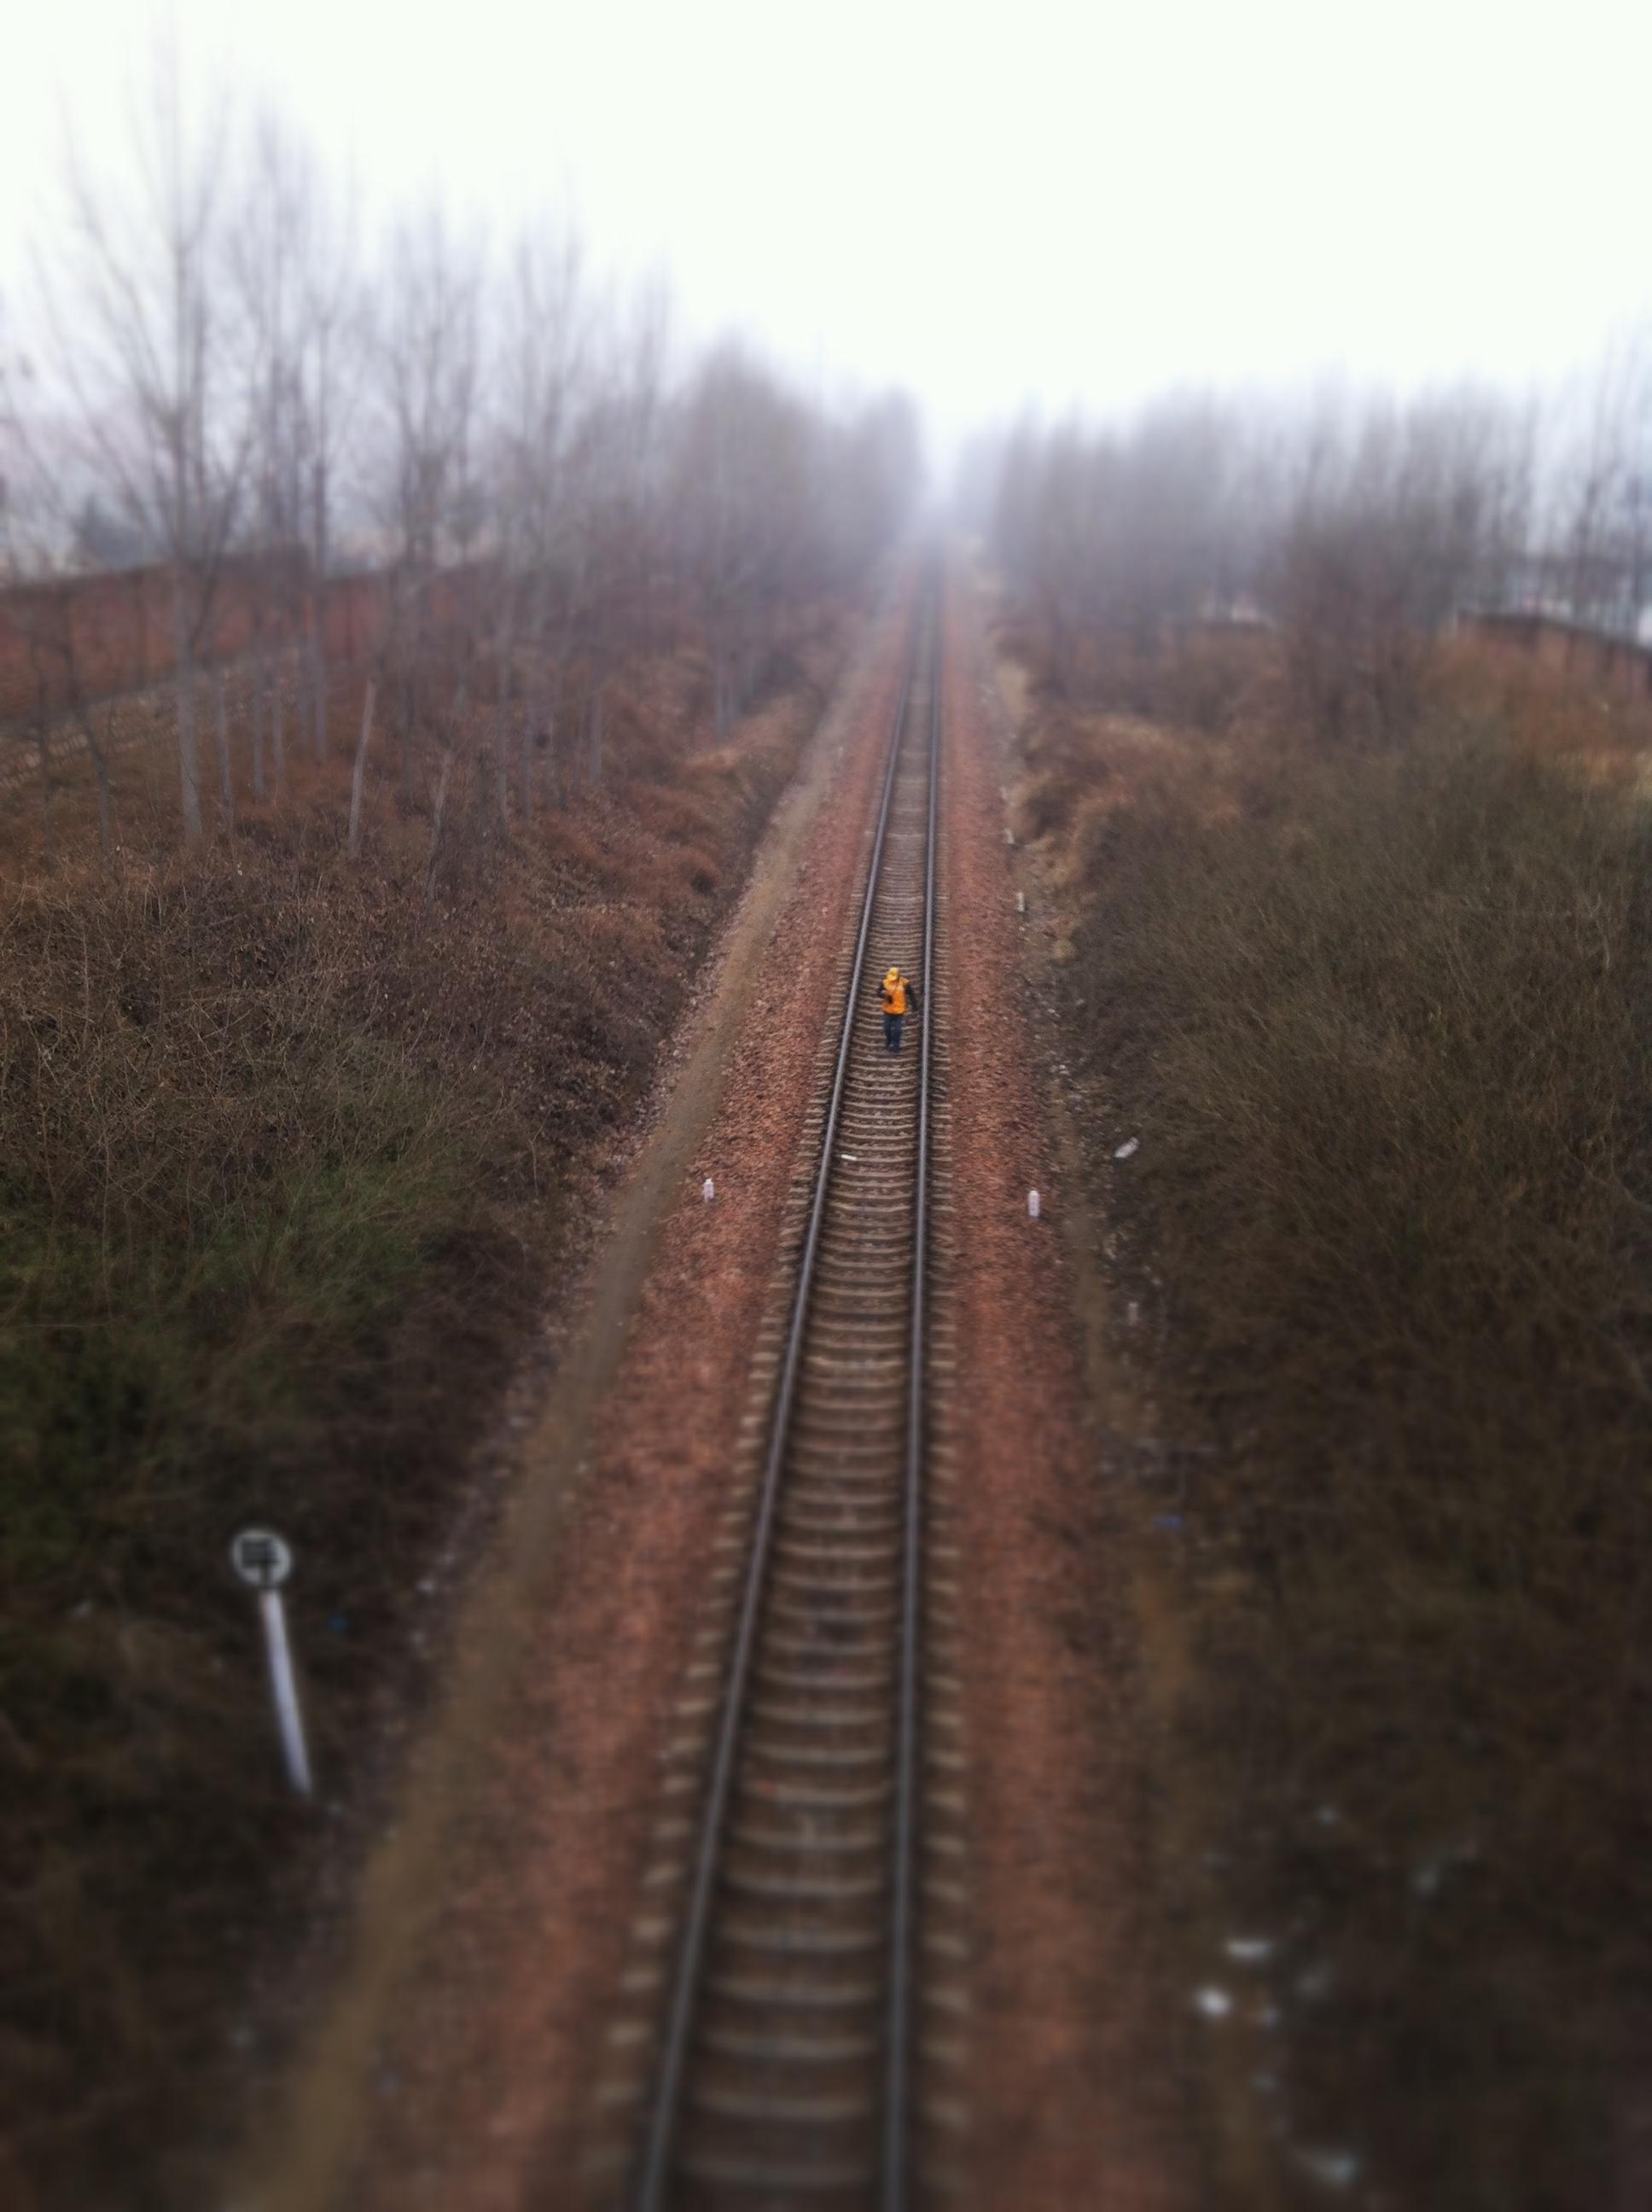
[261, 1557]
[264, 1561]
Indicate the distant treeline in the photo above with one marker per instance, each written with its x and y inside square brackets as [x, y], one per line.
[1356, 525]
[230, 386]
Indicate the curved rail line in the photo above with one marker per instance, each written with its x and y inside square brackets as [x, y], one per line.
[784, 2068]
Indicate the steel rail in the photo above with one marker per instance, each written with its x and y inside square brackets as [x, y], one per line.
[903, 1904]
[662, 2128]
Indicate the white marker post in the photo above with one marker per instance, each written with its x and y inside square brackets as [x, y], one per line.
[264, 1561]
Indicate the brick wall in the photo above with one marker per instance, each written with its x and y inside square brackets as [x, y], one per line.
[119, 627]
[1610, 664]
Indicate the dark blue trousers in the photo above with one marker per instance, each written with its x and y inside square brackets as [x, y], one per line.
[892, 1031]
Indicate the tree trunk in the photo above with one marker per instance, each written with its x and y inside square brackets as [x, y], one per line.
[406, 791]
[226, 778]
[318, 488]
[360, 777]
[719, 689]
[277, 738]
[593, 732]
[106, 824]
[189, 765]
[101, 768]
[501, 735]
[556, 781]
[532, 716]
[435, 825]
[260, 684]
[455, 723]
[316, 672]
[43, 749]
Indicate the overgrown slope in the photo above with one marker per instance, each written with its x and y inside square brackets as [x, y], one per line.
[284, 1153]
[1382, 1022]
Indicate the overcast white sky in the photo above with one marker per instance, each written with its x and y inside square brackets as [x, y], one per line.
[982, 202]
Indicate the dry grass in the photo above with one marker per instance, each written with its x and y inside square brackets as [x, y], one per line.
[283, 1158]
[1383, 1026]
[1547, 711]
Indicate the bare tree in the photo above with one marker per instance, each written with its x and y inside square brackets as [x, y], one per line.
[867, 477]
[427, 368]
[741, 487]
[544, 337]
[328, 391]
[295, 266]
[618, 462]
[140, 348]
[37, 544]
[1360, 526]
[546, 498]
[1602, 491]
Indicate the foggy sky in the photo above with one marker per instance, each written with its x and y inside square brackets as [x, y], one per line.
[986, 204]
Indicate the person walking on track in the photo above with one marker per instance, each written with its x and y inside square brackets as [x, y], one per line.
[900, 999]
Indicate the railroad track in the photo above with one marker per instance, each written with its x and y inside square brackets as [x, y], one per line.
[797, 1992]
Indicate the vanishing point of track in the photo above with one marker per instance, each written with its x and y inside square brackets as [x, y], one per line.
[785, 2053]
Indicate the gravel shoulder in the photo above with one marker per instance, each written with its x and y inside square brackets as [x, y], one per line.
[1076, 2075]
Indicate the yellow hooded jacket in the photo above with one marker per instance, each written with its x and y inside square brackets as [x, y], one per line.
[894, 992]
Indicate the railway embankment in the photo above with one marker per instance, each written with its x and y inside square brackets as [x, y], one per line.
[464, 2048]
[520, 1946]
[1352, 1041]
[294, 1146]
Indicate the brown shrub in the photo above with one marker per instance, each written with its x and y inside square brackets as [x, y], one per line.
[283, 1152]
[1381, 1032]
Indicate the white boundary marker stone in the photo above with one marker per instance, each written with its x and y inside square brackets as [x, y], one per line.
[264, 1561]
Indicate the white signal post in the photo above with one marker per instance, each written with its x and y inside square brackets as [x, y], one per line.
[264, 1561]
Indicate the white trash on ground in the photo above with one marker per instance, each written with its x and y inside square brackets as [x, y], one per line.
[1249, 1950]
[708, 1190]
[1129, 1149]
[1337, 2169]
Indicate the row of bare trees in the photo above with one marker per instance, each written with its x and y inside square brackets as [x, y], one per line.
[225, 381]
[1356, 524]
[1600, 559]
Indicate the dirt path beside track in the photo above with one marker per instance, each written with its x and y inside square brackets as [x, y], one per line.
[1075, 2087]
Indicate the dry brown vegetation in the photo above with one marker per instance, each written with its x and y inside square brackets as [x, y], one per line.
[468, 587]
[1379, 1016]
[285, 1153]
